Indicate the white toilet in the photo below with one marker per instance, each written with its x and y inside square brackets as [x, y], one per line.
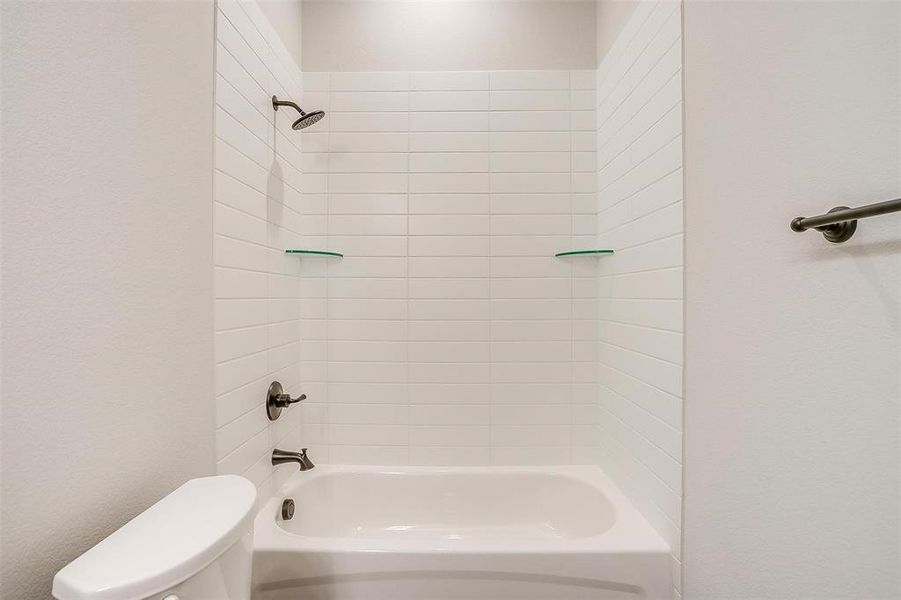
[194, 544]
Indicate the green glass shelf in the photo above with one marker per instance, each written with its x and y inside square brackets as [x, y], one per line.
[581, 252]
[315, 253]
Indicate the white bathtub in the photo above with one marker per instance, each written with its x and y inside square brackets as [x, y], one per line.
[410, 533]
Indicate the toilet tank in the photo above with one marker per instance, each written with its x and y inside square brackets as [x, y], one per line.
[194, 544]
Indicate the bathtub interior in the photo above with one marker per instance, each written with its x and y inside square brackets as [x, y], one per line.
[440, 505]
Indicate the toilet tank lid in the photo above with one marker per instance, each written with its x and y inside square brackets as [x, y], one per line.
[165, 545]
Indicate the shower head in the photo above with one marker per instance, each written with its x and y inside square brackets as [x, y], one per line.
[306, 119]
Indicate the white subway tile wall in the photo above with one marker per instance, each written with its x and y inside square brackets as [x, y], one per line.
[449, 334]
[258, 209]
[639, 157]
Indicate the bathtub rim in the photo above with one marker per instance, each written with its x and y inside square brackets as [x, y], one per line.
[629, 534]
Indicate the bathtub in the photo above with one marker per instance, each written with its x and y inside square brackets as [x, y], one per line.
[493, 533]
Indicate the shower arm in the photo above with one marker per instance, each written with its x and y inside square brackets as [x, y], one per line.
[276, 103]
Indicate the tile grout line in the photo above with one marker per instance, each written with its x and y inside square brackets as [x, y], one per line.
[407, 278]
[491, 368]
[572, 284]
[327, 418]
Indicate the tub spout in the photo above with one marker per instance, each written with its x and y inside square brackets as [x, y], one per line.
[280, 457]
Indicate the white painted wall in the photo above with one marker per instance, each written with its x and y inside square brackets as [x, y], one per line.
[449, 334]
[107, 346]
[257, 204]
[448, 35]
[792, 354]
[286, 18]
[612, 16]
[639, 157]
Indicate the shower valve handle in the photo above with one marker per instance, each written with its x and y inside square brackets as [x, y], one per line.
[277, 399]
[285, 400]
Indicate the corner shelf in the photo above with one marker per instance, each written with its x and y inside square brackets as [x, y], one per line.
[583, 252]
[315, 253]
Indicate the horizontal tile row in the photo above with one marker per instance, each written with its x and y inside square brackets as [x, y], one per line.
[449, 162]
[449, 81]
[455, 455]
[448, 141]
[463, 101]
[449, 183]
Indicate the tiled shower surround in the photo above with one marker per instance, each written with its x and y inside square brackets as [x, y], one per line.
[449, 334]
[640, 295]
[255, 215]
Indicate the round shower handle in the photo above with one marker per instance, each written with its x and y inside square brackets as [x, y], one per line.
[277, 399]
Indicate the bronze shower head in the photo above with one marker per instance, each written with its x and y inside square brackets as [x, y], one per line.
[306, 118]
